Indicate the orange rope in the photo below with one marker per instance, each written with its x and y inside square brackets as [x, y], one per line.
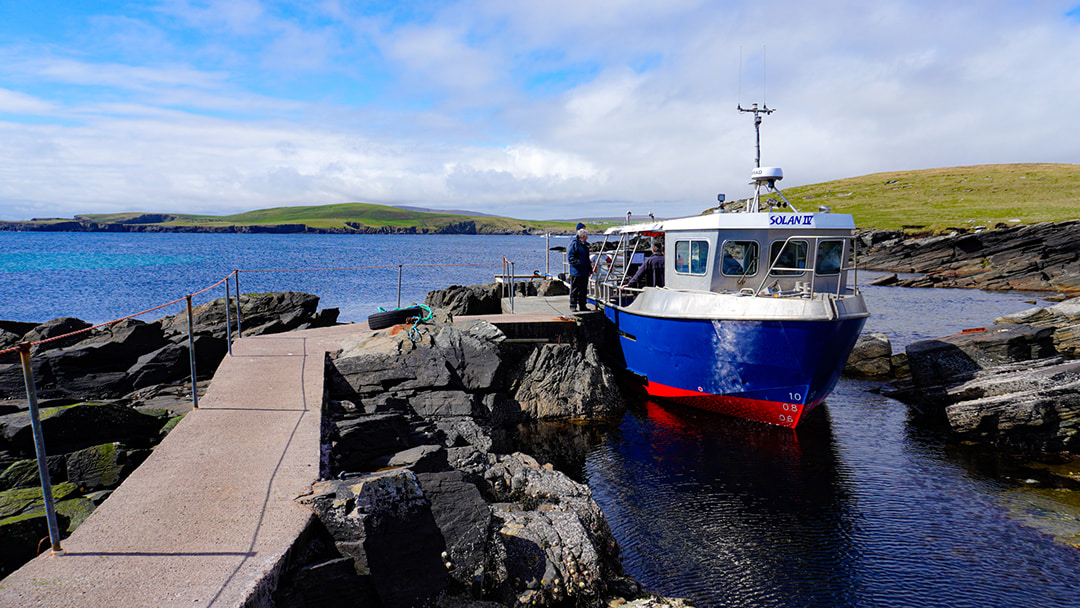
[206, 289]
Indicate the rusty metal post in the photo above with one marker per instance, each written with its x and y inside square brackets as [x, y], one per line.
[191, 354]
[236, 275]
[399, 285]
[228, 320]
[39, 448]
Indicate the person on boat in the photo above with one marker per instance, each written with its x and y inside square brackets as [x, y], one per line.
[651, 273]
[580, 269]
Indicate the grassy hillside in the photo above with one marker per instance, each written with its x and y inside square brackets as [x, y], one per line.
[938, 199]
[982, 195]
[337, 216]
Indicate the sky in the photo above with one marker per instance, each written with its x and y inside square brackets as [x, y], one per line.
[534, 110]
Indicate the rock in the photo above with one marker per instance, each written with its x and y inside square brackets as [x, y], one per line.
[1041, 420]
[889, 279]
[23, 500]
[934, 362]
[102, 466]
[259, 314]
[552, 287]
[561, 381]
[467, 300]
[24, 473]
[1041, 257]
[421, 459]
[543, 558]
[332, 583]
[463, 519]
[871, 357]
[74, 427]
[54, 329]
[385, 525]
[9, 340]
[440, 378]
[360, 442]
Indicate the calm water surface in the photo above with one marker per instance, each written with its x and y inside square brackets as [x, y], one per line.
[859, 507]
[101, 276]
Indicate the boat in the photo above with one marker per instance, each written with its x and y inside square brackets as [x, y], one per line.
[757, 311]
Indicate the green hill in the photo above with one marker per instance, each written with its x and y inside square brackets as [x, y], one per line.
[344, 217]
[938, 199]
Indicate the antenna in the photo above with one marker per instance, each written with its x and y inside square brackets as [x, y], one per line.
[764, 109]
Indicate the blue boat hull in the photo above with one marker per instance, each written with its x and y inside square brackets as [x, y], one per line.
[770, 371]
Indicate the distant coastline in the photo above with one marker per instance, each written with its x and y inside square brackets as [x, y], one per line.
[78, 225]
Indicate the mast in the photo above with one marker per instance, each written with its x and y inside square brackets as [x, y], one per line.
[764, 109]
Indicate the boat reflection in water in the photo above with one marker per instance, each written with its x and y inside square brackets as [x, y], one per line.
[718, 509]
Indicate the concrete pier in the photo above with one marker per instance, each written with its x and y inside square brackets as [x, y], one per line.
[209, 519]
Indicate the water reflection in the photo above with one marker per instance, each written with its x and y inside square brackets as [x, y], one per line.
[725, 511]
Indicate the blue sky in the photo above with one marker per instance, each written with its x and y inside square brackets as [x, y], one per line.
[535, 110]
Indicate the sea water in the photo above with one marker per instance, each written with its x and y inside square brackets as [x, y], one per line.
[860, 506]
[99, 277]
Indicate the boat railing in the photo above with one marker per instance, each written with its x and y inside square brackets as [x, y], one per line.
[808, 289]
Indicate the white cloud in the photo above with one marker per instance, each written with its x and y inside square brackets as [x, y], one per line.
[243, 105]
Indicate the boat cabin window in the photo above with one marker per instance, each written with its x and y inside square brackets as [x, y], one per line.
[787, 256]
[691, 257]
[739, 258]
[829, 257]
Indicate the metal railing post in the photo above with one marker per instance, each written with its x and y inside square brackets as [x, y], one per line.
[228, 320]
[512, 290]
[239, 332]
[547, 254]
[399, 285]
[39, 448]
[191, 353]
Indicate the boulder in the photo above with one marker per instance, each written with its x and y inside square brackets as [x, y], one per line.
[563, 381]
[463, 519]
[259, 314]
[360, 442]
[552, 287]
[468, 300]
[421, 459]
[24, 473]
[73, 427]
[102, 466]
[543, 558]
[383, 522]
[934, 362]
[870, 358]
[55, 328]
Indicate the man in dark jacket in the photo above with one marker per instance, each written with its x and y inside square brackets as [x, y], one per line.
[651, 273]
[580, 268]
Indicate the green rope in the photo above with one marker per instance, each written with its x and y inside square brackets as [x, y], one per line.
[415, 333]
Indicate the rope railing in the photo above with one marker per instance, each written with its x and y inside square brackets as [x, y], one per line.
[25, 353]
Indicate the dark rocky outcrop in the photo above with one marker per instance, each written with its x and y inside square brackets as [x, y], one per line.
[1041, 257]
[465, 300]
[1012, 385]
[429, 505]
[114, 360]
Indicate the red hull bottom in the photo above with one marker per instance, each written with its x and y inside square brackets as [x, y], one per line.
[769, 412]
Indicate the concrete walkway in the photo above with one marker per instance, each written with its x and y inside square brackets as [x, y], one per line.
[208, 519]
